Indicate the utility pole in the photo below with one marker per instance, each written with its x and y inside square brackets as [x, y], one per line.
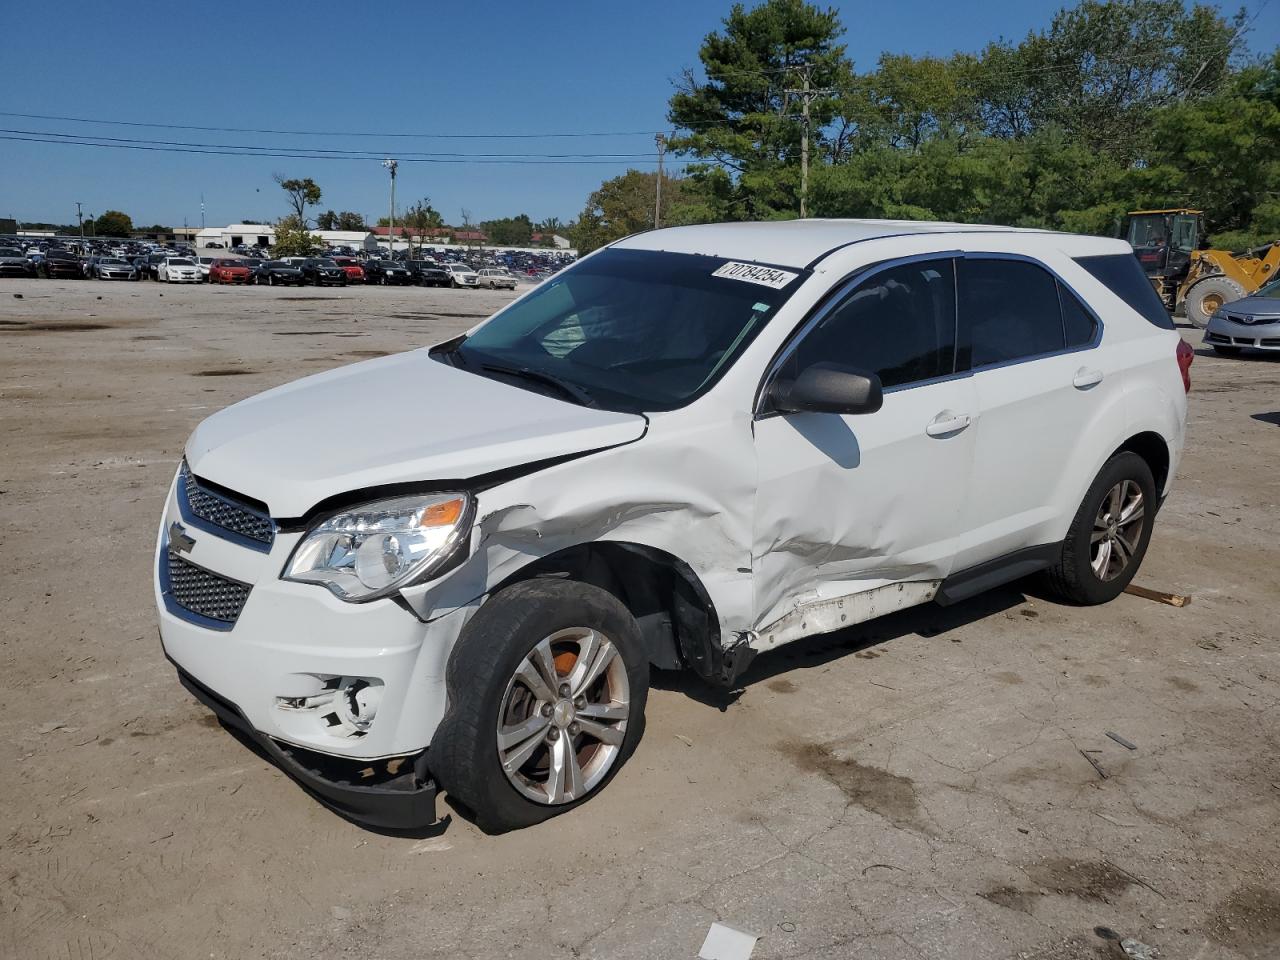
[202, 210]
[661, 141]
[391, 218]
[807, 95]
[80, 220]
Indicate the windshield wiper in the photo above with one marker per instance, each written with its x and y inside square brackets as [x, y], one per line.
[571, 390]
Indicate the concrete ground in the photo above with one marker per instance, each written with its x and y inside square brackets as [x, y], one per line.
[914, 788]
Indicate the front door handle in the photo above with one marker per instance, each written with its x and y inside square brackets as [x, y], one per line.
[947, 423]
[1086, 377]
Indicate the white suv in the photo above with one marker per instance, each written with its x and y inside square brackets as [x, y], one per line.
[456, 565]
[462, 275]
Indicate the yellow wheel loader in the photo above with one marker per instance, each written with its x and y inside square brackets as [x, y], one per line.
[1172, 247]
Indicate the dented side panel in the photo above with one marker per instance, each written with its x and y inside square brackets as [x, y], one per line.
[686, 489]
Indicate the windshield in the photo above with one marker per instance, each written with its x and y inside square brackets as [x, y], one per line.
[325, 262]
[110, 260]
[180, 262]
[1271, 290]
[635, 330]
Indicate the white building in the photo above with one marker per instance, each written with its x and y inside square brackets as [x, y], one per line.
[264, 235]
[232, 235]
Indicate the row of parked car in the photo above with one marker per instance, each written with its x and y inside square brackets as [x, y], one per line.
[329, 271]
[297, 271]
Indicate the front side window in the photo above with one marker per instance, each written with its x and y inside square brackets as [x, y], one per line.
[899, 324]
[1009, 310]
[632, 330]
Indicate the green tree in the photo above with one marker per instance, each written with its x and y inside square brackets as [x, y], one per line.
[624, 205]
[302, 194]
[113, 223]
[293, 239]
[745, 116]
[509, 231]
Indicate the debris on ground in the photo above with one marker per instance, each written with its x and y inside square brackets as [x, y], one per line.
[685, 740]
[1122, 741]
[1159, 596]
[1094, 763]
[1137, 949]
[726, 943]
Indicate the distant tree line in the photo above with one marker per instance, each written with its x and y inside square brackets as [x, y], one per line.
[1114, 105]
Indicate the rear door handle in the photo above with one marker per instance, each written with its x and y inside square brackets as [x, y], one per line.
[1086, 377]
[947, 423]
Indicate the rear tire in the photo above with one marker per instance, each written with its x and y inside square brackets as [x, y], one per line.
[1207, 295]
[1227, 351]
[489, 692]
[1108, 538]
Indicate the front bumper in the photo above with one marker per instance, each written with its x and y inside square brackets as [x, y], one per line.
[1223, 332]
[285, 642]
[402, 801]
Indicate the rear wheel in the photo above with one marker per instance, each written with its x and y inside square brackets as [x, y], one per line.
[1207, 295]
[547, 688]
[1227, 351]
[1108, 537]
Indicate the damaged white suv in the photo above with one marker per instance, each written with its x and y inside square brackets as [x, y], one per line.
[456, 566]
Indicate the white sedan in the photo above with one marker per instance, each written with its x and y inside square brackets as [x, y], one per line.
[178, 270]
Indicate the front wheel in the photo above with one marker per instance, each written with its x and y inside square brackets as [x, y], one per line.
[1109, 536]
[1207, 295]
[547, 688]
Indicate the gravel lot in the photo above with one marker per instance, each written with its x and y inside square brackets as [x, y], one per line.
[913, 788]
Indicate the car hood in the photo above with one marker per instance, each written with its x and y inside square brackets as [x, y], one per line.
[400, 419]
[1254, 307]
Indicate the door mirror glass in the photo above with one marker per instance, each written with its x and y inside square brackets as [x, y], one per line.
[828, 388]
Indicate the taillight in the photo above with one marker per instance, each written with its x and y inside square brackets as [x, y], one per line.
[1185, 356]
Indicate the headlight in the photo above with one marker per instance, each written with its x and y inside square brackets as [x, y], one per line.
[375, 549]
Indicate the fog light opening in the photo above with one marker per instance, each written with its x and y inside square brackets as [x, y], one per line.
[357, 702]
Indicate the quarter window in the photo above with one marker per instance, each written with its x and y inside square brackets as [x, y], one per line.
[900, 324]
[1077, 322]
[1009, 310]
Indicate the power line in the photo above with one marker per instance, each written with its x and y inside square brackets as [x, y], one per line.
[312, 156]
[331, 133]
[365, 154]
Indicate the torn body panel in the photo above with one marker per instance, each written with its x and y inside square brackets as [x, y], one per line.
[686, 492]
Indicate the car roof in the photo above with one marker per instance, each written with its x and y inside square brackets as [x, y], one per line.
[801, 243]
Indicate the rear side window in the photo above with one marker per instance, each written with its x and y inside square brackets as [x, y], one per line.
[899, 324]
[1009, 310]
[1077, 322]
[1122, 275]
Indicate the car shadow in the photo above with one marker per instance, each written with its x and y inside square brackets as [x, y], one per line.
[1272, 418]
[926, 620]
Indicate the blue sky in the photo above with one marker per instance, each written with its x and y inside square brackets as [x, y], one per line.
[407, 67]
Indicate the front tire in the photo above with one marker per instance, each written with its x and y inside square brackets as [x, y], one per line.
[1207, 295]
[1109, 536]
[546, 689]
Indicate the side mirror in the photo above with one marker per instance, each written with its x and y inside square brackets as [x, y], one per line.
[828, 388]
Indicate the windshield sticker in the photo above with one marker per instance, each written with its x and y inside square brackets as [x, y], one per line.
[752, 273]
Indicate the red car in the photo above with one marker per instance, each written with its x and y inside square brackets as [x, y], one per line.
[355, 272]
[229, 271]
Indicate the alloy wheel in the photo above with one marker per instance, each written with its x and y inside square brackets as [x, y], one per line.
[564, 716]
[1117, 530]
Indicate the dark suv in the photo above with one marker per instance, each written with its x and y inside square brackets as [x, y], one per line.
[428, 273]
[386, 271]
[322, 270]
[59, 263]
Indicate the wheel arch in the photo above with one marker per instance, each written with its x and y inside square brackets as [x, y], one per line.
[677, 617]
[1152, 448]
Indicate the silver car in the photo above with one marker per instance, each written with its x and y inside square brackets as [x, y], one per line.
[495, 277]
[1252, 322]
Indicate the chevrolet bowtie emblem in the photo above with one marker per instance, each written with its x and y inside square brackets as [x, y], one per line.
[179, 541]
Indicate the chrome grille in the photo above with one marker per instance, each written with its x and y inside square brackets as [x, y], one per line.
[203, 592]
[222, 511]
